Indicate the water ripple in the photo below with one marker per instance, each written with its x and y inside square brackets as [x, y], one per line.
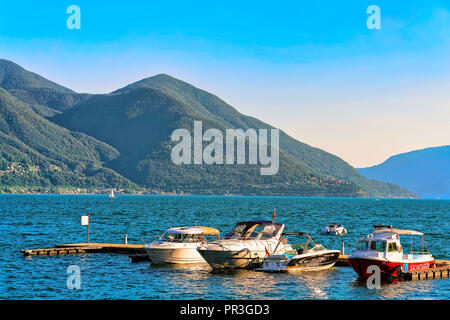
[43, 221]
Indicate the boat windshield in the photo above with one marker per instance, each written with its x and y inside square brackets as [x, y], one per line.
[392, 247]
[378, 245]
[249, 231]
[318, 247]
[237, 232]
[362, 245]
[334, 225]
[303, 247]
[181, 237]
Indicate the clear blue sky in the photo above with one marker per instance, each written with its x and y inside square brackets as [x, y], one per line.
[312, 68]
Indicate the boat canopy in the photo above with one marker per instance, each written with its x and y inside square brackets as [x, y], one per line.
[261, 222]
[246, 229]
[210, 230]
[194, 230]
[399, 231]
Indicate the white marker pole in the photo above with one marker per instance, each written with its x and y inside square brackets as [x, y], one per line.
[85, 222]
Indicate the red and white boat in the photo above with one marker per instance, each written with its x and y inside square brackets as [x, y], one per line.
[382, 248]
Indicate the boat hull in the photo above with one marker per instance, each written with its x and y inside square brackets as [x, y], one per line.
[314, 262]
[388, 269]
[174, 255]
[243, 259]
[305, 262]
[337, 232]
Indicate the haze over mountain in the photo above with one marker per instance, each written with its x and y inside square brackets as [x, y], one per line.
[135, 123]
[425, 172]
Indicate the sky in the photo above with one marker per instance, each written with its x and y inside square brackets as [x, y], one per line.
[312, 68]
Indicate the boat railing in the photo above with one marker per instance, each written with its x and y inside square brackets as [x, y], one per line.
[414, 256]
[417, 253]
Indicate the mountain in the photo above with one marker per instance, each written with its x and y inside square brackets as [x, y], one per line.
[138, 120]
[426, 172]
[38, 154]
[44, 96]
[313, 159]
[109, 140]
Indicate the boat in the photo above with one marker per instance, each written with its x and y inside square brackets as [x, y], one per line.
[382, 248]
[334, 228]
[179, 245]
[111, 194]
[246, 245]
[306, 256]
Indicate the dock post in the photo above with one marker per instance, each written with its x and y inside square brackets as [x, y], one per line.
[342, 249]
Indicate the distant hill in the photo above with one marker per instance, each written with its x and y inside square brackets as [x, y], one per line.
[138, 119]
[36, 153]
[44, 96]
[426, 172]
[123, 139]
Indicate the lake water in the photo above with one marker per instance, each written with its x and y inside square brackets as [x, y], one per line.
[34, 221]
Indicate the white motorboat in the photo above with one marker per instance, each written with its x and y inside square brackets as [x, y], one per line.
[179, 245]
[246, 245]
[334, 229]
[307, 256]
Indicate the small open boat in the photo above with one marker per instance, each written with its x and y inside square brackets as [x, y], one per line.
[334, 229]
[179, 245]
[382, 248]
[306, 256]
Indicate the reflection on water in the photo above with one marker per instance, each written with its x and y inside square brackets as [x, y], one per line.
[406, 289]
[318, 283]
[182, 278]
[248, 284]
[395, 289]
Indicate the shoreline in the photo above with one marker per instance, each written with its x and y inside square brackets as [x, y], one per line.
[213, 195]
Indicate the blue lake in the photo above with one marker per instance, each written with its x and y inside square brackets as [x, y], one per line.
[35, 221]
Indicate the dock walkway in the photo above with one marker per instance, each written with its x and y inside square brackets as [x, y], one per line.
[442, 269]
[80, 248]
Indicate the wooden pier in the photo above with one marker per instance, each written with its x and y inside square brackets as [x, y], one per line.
[342, 261]
[81, 248]
[442, 270]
